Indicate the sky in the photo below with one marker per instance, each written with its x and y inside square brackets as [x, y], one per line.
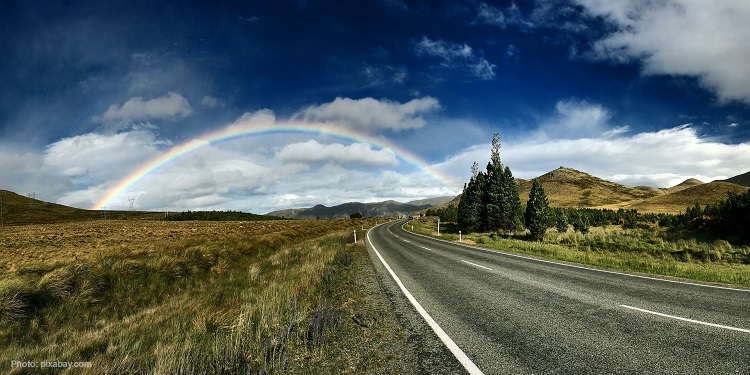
[263, 105]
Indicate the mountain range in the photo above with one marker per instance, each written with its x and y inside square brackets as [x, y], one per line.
[389, 208]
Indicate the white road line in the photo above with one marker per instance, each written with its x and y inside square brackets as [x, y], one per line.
[686, 319]
[457, 352]
[476, 265]
[583, 267]
[426, 248]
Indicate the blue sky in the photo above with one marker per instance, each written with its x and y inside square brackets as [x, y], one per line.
[637, 92]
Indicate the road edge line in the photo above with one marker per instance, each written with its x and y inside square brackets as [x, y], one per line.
[687, 319]
[447, 341]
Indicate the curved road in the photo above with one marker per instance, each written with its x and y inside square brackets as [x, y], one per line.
[514, 314]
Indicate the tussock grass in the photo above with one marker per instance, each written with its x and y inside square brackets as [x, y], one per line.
[174, 298]
[635, 250]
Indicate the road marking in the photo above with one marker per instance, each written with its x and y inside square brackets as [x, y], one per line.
[476, 265]
[457, 352]
[686, 319]
[500, 252]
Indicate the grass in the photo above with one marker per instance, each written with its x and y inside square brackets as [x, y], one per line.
[185, 297]
[649, 251]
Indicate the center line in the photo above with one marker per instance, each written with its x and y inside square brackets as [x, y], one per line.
[476, 265]
[686, 319]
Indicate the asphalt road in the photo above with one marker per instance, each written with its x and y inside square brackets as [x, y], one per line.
[515, 315]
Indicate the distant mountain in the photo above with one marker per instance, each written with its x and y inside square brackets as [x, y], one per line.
[432, 201]
[380, 209]
[743, 179]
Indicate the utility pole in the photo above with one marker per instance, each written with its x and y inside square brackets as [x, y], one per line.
[31, 199]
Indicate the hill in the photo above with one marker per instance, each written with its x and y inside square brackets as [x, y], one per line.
[743, 179]
[380, 209]
[678, 201]
[690, 182]
[567, 187]
[18, 210]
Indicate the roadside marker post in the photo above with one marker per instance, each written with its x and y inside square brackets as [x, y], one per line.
[459, 236]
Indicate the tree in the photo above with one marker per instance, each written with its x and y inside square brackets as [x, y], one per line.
[470, 208]
[537, 211]
[512, 211]
[355, 215]
[581, 223]
[448, 214]
[561, 224]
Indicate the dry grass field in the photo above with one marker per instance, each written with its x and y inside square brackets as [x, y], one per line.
[133, 296]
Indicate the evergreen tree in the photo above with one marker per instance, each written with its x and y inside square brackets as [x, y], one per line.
[510, 204]
[470, 212]
[537, 211]
[492, 199]
[561, 224]
[581, 223]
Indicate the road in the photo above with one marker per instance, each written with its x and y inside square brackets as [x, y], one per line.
[511, 314]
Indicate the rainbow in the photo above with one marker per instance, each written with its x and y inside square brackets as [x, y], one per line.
[237, 131]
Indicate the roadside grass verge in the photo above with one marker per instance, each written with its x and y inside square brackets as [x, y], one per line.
[632, 250]
[250, 301]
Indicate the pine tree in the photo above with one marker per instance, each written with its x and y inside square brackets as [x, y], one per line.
[470, 208]
[493, 198]
[537, 211]
[562, 222]
[510, 205]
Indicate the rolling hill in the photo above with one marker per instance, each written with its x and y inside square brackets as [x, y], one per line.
[677, 201]
[690, 182]
[17, 209]
[742, 179]
[570, 188]
[567, 187]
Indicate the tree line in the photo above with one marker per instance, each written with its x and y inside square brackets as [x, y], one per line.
[218, 216]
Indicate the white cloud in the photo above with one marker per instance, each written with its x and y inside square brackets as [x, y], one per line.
[312, 151]
[490, 15]
[210, 102]
[171, 106]
[93, 157]
[372, 114]
[578, 119]
[703, 39]
[454, 55]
